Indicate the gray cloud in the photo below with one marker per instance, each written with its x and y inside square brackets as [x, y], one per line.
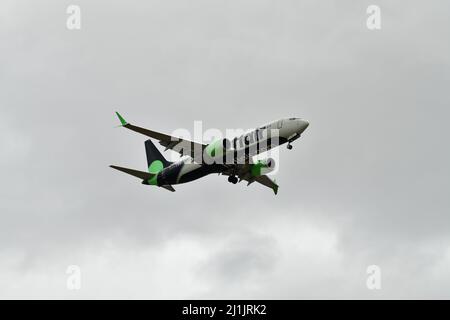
[366, 184]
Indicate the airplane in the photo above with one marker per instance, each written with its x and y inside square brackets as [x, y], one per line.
[232, 158]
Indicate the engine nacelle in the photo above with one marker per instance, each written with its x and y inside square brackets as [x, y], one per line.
[262, 167]
[218, 148]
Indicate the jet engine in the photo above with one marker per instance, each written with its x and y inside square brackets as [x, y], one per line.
[262, 167]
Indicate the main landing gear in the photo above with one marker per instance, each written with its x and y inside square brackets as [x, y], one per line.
[233, 179]
[289, 146]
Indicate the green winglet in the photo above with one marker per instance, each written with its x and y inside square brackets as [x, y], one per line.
[122, 120]
[275, 189]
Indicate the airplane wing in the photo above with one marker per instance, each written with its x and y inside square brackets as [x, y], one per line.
[182, 146]
[243, 172]
[266, 181]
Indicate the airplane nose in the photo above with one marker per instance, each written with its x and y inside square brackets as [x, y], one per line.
[303, 125]
[306, 123]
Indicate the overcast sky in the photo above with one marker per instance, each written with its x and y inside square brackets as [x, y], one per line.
[367, 184]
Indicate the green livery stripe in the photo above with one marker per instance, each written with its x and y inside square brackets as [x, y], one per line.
[154, 168]
[153, 181]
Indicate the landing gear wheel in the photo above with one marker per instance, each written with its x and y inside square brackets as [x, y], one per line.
[289, 146]
[232, 179]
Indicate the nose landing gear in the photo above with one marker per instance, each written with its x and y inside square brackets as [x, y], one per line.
[289, 146]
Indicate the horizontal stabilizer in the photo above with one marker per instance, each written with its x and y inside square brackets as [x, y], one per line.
[138, 174]
[168, 187]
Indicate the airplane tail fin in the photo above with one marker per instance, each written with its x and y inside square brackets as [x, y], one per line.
[155, 160]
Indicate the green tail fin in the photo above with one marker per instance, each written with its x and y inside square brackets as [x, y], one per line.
[155, 160]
